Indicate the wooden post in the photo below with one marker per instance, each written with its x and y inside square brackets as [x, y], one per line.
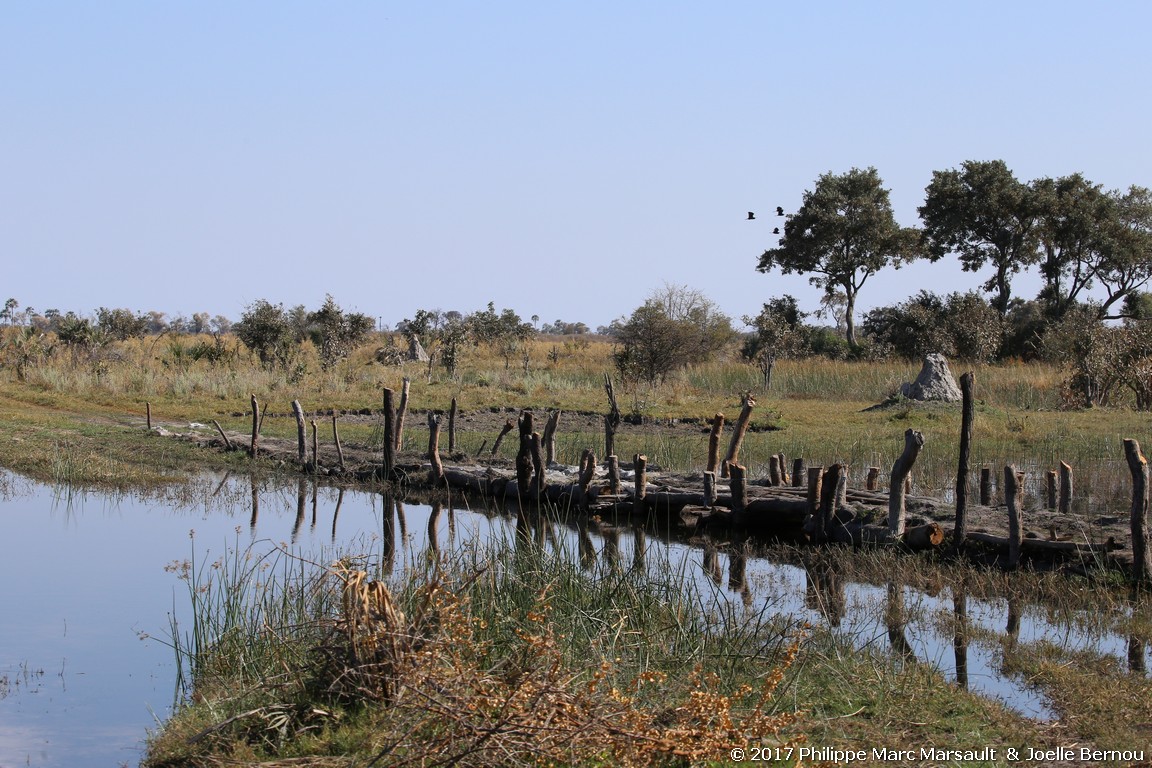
[613, 475]
[336, 439]
[798, 472]
[509, 425]
[227, 442]
[389, 458]
[1141, 556]
[815, 480]
[870, 481]
[738, 431]
[714, 443]
[985, 486]
[783, 469]
[550, 436]
[1053, 484]
[400, 413]
[611, 420]
[300, 430]
[841, 490]
[710, 494]
[1014, 497]
[524, 453]
[255, 427]
[829, 488]
[148, 415]
[1065, 488]
[437, 472]
[587, 472]
[640, 465]
[738, 483]
[967, 416]
[913, 442]
[452, 426]
[536, 450]
[774, 478]
[314, 464]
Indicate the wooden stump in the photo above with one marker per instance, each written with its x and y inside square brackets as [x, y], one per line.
[738, 431]
[389, 459]
[985, 486]
[714, 442]
[798, 472]
[1065, 488]
[913, 442]
[967, 417]
[401, 412]
[452, 410]
[436, 474]
[300, 431]
[255, 427]
[613, 475]
[640, 465]
[738, 483]
[1014, 496]
[1141, 557]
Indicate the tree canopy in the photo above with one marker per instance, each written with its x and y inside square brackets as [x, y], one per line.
[843, 233]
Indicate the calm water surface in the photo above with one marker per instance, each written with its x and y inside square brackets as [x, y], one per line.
[85, 673]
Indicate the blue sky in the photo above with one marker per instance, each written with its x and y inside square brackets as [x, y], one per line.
[561, 159]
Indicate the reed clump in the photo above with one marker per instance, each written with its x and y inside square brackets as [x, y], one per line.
[485, 661]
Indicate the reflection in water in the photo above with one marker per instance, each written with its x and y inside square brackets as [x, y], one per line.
[336, 513]
[255, 504]
[960, 635]
[434, 528]
[712, 561]
[895, 621]
[825, 592]
[301, 501]
[388, 507]
[639, 548]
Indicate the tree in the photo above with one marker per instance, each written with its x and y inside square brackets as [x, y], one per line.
[505, 332]
[1127, 263]
[843, 233]
[121, 324]
[336, 331]
[985, 215]
[265, 329]
[777, 332]
[674, 328]
[8, 314]
[961, 325]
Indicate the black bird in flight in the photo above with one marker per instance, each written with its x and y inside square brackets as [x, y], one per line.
[776, 230]
[779, 211]
[751, 215]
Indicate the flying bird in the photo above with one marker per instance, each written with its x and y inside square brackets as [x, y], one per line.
[779, 211]
[775, 230]
[751, 215]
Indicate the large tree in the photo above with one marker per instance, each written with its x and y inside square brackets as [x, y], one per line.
[843, 234]
[983, 214]
[1076, 221]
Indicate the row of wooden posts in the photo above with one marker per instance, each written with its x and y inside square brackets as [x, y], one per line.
[826, 487]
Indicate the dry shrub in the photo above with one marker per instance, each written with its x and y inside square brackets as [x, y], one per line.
[449, 693]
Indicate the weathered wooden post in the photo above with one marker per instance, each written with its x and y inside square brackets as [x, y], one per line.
[873, 476]
[1065, 488]
[300, 429]
[436, 474]
[783, 469]
[640, 465]
[224, 437]
[774, 477]
[255, 427]
[738, 431]
[985, 486]
[1053, 484]
[967, 416]
[524, 454]
[550, 436]
[1014, 497]
[798, 472]
[738, 483]
[613, 475]
[815, 480]
[710, 493]
[1141, 557]
[612, 419]
[587, 474]
[315, 466]
[714, 442]
[401, 412]
[826, 512]
[148, 415]
[336, 439]
[913, 442]
[536, 449]
[452, 426]
[388, 460]
[509, 425]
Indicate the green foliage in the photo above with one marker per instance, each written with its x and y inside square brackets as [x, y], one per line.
[337, 332]
[844, 233]
[778, 333]
[985, 215]
[504, 332]
[674, 328]
[266, 329]
[961, 325]
[121, 324]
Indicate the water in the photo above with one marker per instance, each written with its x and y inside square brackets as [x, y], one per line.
[88, 592]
